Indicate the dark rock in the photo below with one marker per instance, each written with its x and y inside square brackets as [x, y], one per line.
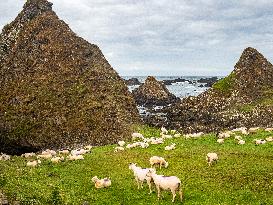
[57, 90]
[208, 81]
[153, 92]
[244, 98]
[132, 81]
[170, 82]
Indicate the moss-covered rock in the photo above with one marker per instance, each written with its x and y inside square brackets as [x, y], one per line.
[57, 90]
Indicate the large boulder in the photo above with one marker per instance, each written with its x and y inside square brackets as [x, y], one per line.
[56, 89]
[153, 92]
[243, 98]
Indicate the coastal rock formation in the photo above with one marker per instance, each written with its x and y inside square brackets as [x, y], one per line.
[132, 81]
[57, 90]
[153, 92]
[244, 98]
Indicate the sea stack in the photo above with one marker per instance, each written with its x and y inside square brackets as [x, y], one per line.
[57, 90]
[243, 98]
[153, 92]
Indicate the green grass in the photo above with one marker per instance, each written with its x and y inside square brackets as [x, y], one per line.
[243, 174]
[226, 84]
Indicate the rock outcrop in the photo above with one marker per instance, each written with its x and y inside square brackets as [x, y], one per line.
[244, 98]
[56, 89]
[153, 92]
[132, 81]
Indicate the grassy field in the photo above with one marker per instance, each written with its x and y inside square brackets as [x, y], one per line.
[243, 174]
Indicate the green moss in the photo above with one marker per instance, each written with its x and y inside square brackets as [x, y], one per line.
[226, 84]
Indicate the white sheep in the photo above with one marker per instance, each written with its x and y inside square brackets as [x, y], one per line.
[121, 143]
[241, 142]
[119, 149]
[164, 130]
[79, 152]
[137, 135]
[75, 157]
[33, 163]
[28, 155]
[4, 157]
[269, 129]
[48, 151]
[101, 183]
[45, 156]
[269, 139]
[172, 183]
[170, 147]
[220, 141]
[64, 151]
[253, 129]
[166, 136]
[140, 176]
[155, 160]
[57, 159]
[259, 141]
[211, 157]
[224, 135]
[237, 137]
[177, 135]
[144, 145]
[157, 141]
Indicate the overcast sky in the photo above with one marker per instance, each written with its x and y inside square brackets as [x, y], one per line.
[166, 37]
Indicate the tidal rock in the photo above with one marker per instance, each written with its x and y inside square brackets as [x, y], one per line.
[57, 89]
[153, 92]
[132, 81]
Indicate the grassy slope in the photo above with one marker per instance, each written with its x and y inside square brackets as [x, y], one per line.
[243, 175]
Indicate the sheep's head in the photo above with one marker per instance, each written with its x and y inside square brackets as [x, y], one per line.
[94, 179]
[150, 172]
[166, 164]
[39, 161]
[131, 165]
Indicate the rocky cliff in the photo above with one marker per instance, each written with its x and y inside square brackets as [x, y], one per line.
[56, 89]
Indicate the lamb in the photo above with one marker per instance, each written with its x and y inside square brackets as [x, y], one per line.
[33, 163]
[57, 159]
[170, 147]
[211, 157]
[101, 183]
[119, 149]
[137, 135]
[220, 141]
[158, 160]
[28, 155]
[4, 157]
[121, 143]
[140, 176]
[166, 182]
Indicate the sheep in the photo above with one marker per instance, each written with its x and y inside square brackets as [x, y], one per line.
[44, 156]
[241, 142]
[140, 176]
[57, 159]
[269, 139]
[269, 129]
[157, 141]
[119, 149]
[137, 135]
[158, 160]
[48, 151]
[101, 183]
[88, 147]
[253, 129]
[237, 137]
[243, 130]
[166, 182]
[223, 135]
[144, 145]
[170, 147]
[121, 143]
[166, 136]
[220, 141]
[33, 163]
[79, 152]
[211, 157]
[164, 130]
[259, 141]
[194, 135]
[75, 157]
[28, 155]
[4, 157]
[64, 151]
[177, 135]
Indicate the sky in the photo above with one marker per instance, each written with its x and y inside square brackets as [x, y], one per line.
[166, 37]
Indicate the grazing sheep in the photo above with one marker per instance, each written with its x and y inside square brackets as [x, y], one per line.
[243, 130]
[28, 155]
[33, 163]
[119, 149]
[166, 136]
[211, 157]
[79, 152]
[164, 130]
[194, 135]
[101, 183]
[4, 157]
[158, 160]
[220, 141]
[223, 135]
[177, 135]
[237, 137]
[170, 147]
[140, 176]
[57, 159]
[166, 182]
[136, 136]
[75, 157]
[64, 151]
[157, 141]
[253, 130]
[48, 151]
[121, 143]
[269, 129]
[45, 156]
[269, 139]
[259, 141]
[241, 142]
[144, 145]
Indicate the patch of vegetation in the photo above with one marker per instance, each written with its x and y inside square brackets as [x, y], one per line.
[226, 84]
[243, 174]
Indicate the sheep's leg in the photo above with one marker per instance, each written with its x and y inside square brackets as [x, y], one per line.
[150, 185]
[158, 192]
[141, 184]
[181, 194]
[174, 194]
[137, 182]
[160, 165]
